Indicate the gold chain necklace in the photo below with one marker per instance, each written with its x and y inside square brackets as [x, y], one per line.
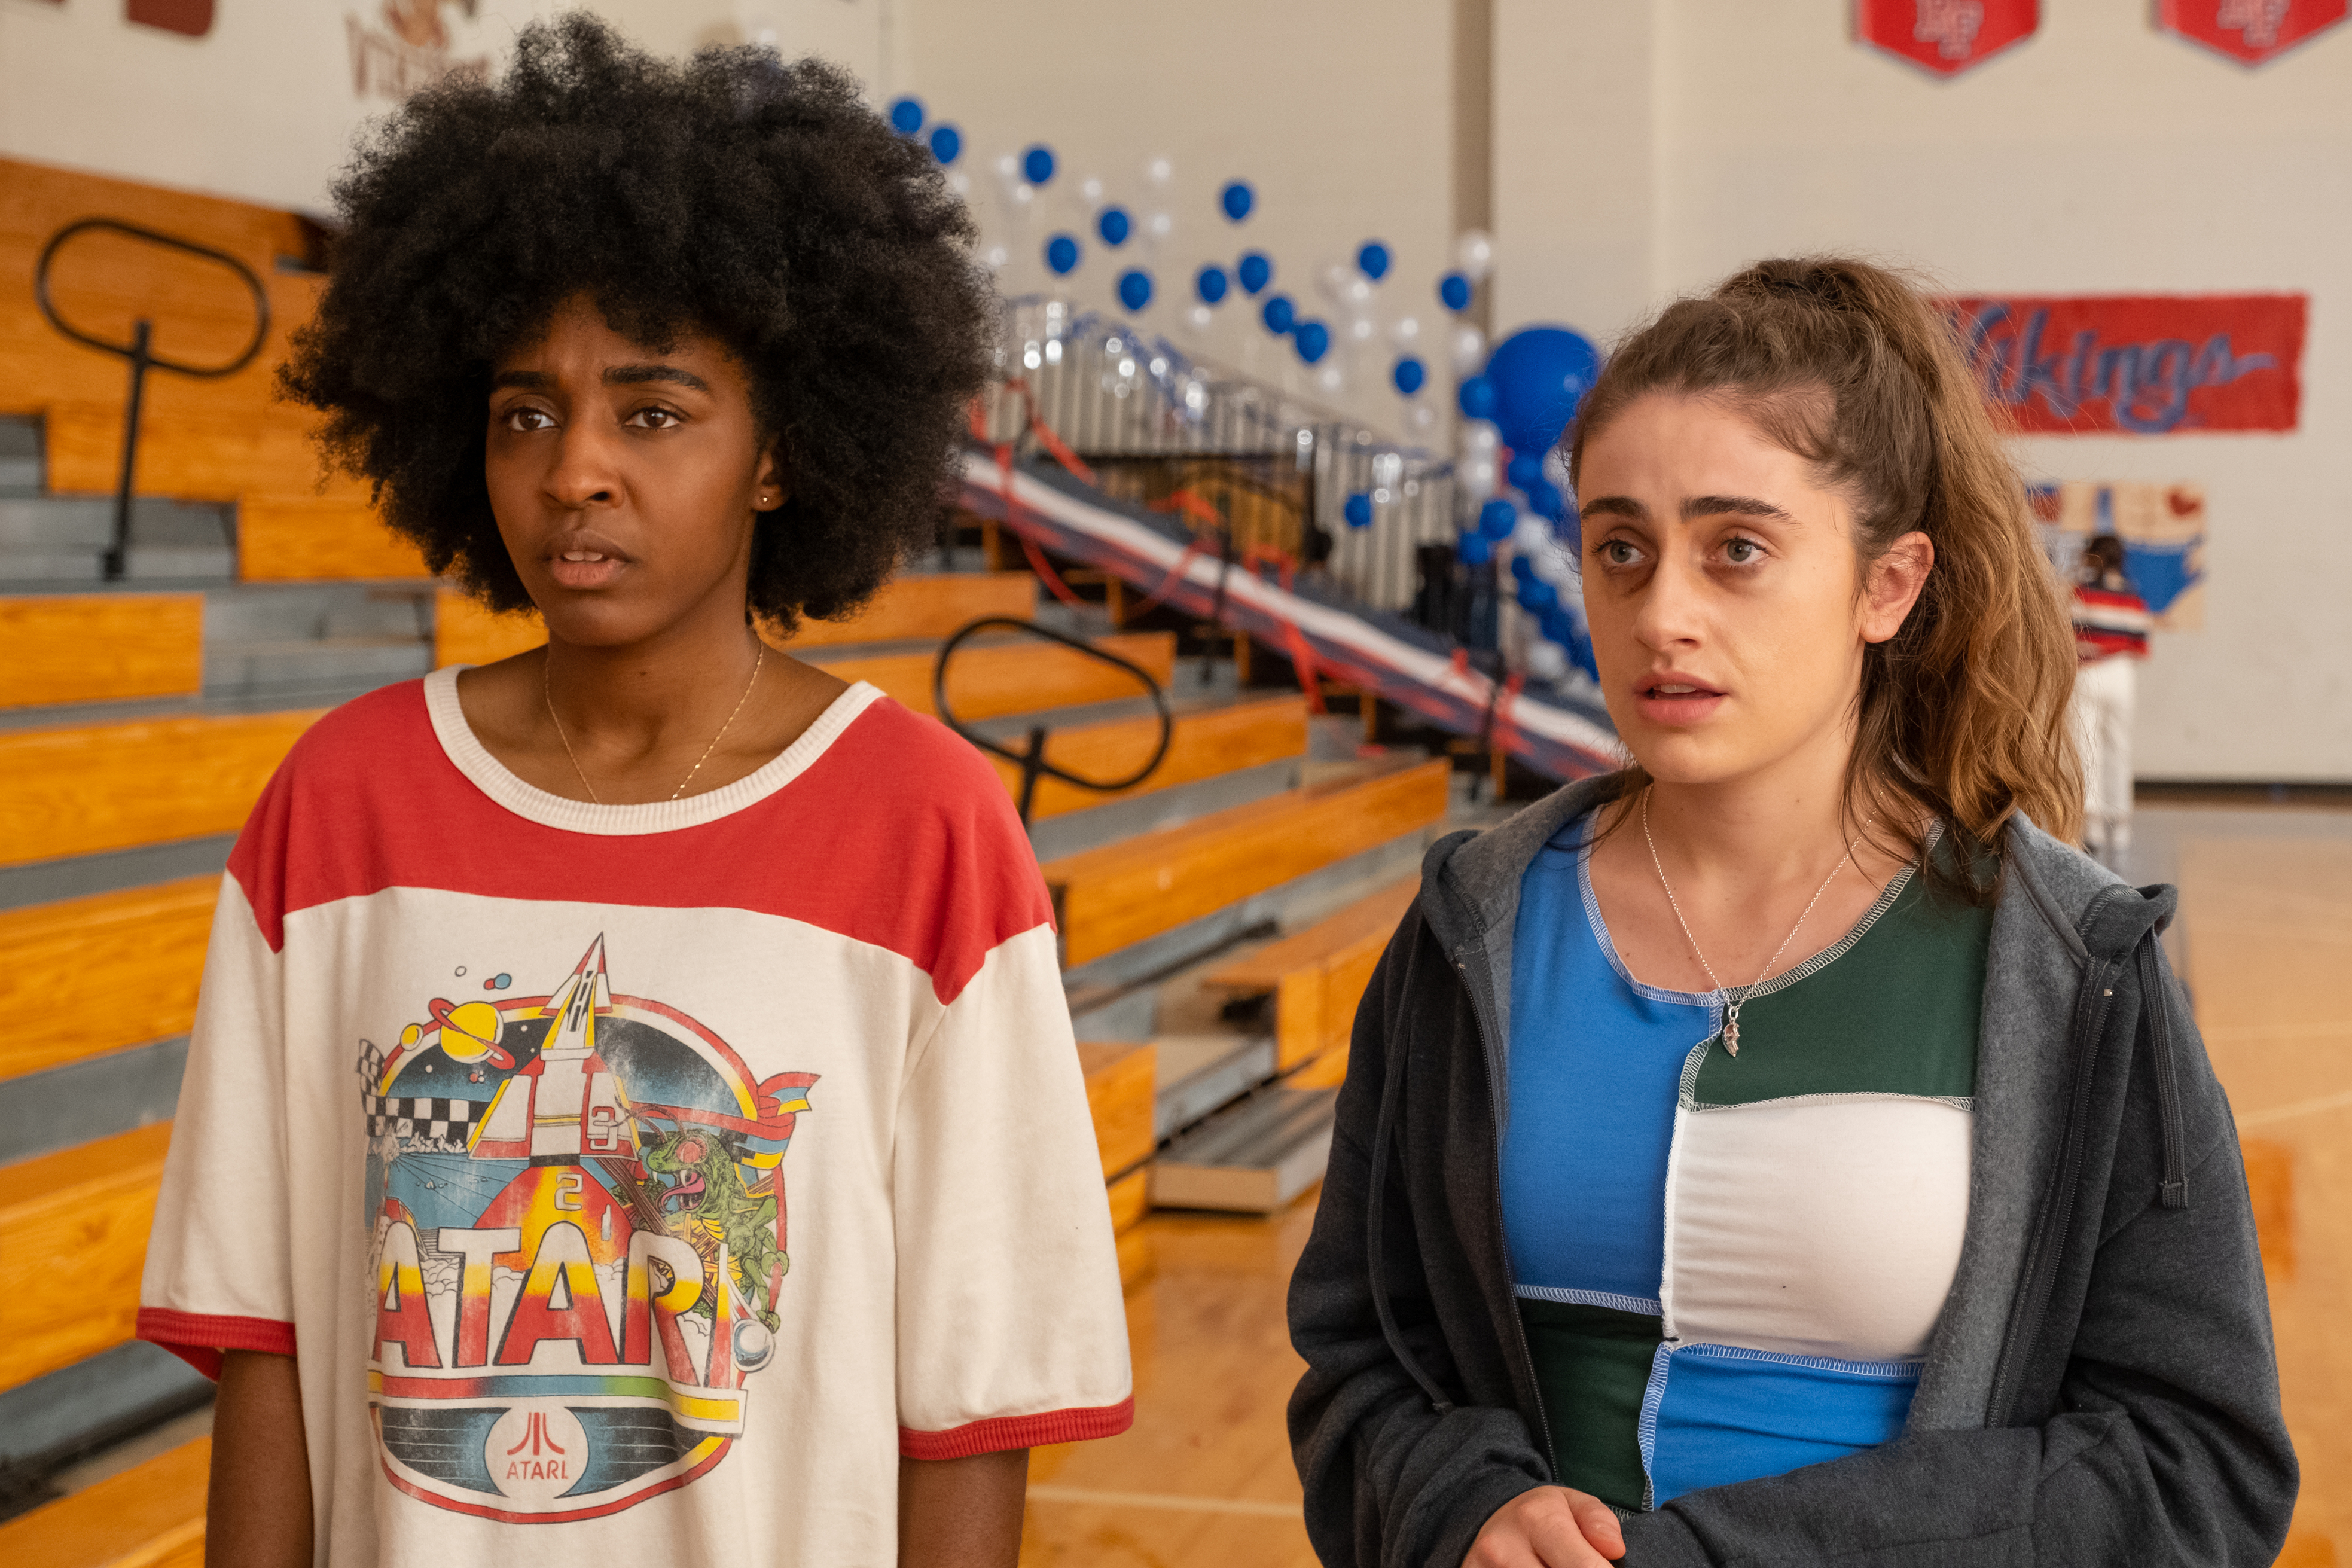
[547, 692]
[1722, 997]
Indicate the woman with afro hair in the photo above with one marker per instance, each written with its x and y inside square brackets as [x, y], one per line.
[527, 978]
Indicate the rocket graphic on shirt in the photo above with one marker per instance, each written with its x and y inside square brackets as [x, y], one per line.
[579, 1241]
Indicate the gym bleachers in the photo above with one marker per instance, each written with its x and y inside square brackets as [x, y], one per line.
[140, 719]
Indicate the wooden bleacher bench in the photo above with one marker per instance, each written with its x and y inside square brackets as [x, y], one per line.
[305, 538]
[990, 679]
[1119, 1079]
[1111, 897]
[73, 1226]
[1317, 978]
[84, 789]
[100, 647]
[93, 974]
[149, 1516]
[1203, 746]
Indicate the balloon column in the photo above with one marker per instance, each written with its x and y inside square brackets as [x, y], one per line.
[1513, 412]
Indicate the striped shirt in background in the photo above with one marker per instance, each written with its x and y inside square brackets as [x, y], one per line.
[2109, 621]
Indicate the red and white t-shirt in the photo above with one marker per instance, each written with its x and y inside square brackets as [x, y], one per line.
[493, 1103]
[2109, 620]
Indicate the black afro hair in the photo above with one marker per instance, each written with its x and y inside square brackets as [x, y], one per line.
[758, 202]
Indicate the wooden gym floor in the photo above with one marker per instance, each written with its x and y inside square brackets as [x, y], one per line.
[2264, 941]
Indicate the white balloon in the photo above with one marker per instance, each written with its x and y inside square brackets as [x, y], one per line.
[1333, 280]
[1474, 253]
[1552, 564]
[994, 258]
[1406, 332]
[1421, 415]
[1358, 294]
[1157, 227]
[1331, 378]
[959, 181]
[1008, 168]
[1481, 436]
[1476, 477]
[1467, 349]
[1200, 316]
[1532, 537]
[1362, 329]
[1091, 190]
[1160, 171]
[1547, 661]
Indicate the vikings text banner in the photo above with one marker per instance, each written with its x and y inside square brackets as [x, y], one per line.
[2142, 364]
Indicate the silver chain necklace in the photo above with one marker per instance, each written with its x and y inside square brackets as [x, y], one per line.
[1722, 997]
[547, 692]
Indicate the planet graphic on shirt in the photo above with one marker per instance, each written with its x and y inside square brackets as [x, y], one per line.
[469, 1031]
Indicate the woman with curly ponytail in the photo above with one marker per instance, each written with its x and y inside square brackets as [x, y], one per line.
[1789, 1148]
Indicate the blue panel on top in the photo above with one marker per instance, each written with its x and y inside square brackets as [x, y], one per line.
[1595, 1068]
[1716, 1415]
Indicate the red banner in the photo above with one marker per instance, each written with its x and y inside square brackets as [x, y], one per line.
[2153, 364]
[2249, 31]
[1945, 36]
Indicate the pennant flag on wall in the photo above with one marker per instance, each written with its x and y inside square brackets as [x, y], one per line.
[2249, 31]
[1944, 36]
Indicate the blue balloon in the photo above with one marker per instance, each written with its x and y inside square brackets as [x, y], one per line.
[1536, 594]
[1497, 517]
[1525, 471]
[1523, 569]
[1373, 258]
[1278, 314]
[1557, 626]
[1038, 164]
[1477, 398]
[1539, 375]
[1454, 291]
[1114, 225]
[1135, 288]
[1545, 502]
[1256, 269]
[947, 143]
[1475, 548]
[1210, 284]
[1359, 510]
[1314, 339]
[1408, 375]
[1237, 198]
[1062, 254]
[906, 115]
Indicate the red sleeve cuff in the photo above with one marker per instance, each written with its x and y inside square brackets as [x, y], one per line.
[199, 1339]
[999, 1433]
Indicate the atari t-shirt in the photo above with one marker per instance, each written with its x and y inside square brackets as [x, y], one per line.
[495, 1098]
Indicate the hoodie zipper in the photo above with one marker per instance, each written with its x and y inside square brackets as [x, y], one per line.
[2050, 1249]
[1480, 1005]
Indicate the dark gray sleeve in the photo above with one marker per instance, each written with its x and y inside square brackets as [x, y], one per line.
[1388, 1479]
[2168, 1446]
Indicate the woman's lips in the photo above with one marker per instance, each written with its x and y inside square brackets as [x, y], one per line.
[1676, 702]
[577, 568]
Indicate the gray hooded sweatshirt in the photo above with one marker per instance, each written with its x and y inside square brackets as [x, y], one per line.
[2100, 1387]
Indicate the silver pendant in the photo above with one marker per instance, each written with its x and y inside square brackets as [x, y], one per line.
[1731, 1035]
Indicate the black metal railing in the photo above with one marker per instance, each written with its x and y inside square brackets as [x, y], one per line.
[1031, 760]
[141, 353]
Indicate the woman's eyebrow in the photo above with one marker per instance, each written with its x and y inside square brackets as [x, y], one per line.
[529, 380]
[1745, 506]
[634, 375]
[1614, 506]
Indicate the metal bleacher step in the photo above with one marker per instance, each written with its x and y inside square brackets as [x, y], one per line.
[20, 456]
[54, 539]
[1251, 1158]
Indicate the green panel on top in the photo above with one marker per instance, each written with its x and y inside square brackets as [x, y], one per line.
[1897, 1013]
[1593, 1364]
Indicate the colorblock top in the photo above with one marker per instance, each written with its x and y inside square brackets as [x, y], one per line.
[489, 1110]
[1729, 1267]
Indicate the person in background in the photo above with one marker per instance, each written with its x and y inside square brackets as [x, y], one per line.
[2111, 624]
